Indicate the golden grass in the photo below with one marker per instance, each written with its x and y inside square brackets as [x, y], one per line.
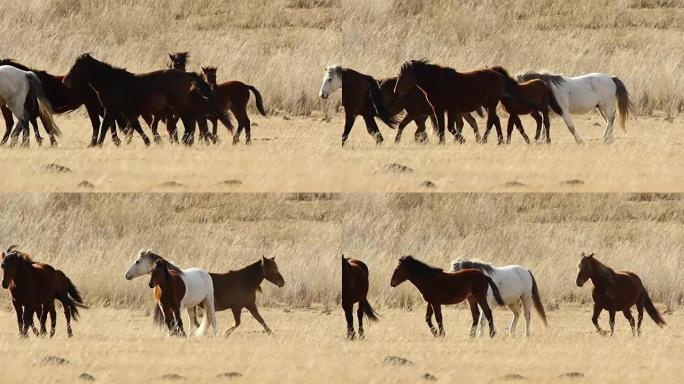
[309, 346]
[93, 238]
[304, 154]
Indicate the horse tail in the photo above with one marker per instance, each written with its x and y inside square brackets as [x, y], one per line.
[369, 311]
[208, 94]
[553, 103]
[495, 290]
[379, 104]
[652, 311]
[158, 316]
[71, 298]
[259, 100]
[536, 300]
[45, 110]
[623, 101]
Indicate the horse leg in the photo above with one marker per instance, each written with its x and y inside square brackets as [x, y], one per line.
[191, 315]
[452, 117]
[238, 132]
[438, 316]
[515, 308]
[488, 314]
[95, 124]
[243, 119]
[497, 123]
[640, 314]
[155, 127]
[9, 123]
[527, 305]
[107, 120]
[349, 316]
[373, 129]
[349, 119]
[43, 319]
[611, 320]
[20, 317]
[473, 124]
[571, 127]
[628, 315]
[439, 115]
[255, 313]
[475, 312]
[179, 322]
[459, 128]
[214, 125]
[608, 112]
[18, 128]
[204, 135]
[236, 315]
[428, 319]
[519, 126]
[67, 316]
[400, 128]
[359, 315]
[53, 318]
[421, 135]
[482, 323]
[133, 120]
[27, 321]
[509, 128]
[595, 318]
[36, 132]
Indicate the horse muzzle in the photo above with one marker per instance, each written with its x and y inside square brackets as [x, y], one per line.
[323, 96]
[580, 282]
[5, 284]
[151, 284]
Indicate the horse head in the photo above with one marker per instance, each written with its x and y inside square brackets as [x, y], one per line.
[271, 272]
[332, 81]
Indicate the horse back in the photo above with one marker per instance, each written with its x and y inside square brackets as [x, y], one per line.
[625, 291]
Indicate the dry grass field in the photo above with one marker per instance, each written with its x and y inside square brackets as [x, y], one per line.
[282, 46]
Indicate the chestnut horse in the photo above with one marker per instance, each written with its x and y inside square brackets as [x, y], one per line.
[33, 288]
[169, 290]
[537, 92]
[234, 95]
[235, 290]
[439, 287]
[357, 90]
[418, 110]
[616, 291]
[354, 290]
[456, 92]
[131, 95]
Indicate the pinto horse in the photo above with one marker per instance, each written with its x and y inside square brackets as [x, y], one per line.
[23, 94]
[582, 94]
[616, 291]
[355, 290]
[234, 95]
[361, 95]
[169, 290]
[198, 288]
[235, 290]
[517, 287]
[131, 95]
[440, 288]
[33, 288]
[456, 92]
[538, 93]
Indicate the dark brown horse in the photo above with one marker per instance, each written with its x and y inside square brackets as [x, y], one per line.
[538, 93]
[455, 92]
[33, 288]
[354, 290]
[179, 61]
[237, 289]
[131, 95]
[234, 95]
[441, 288]
[361, 95]
[616, 291]
[169, 290]
[418, 110]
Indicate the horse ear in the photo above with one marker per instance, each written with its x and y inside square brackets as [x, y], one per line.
[591, 255]
[170, 56]
[3, 255]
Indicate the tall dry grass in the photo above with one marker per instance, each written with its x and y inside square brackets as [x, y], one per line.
[281, 46]
[94, 238]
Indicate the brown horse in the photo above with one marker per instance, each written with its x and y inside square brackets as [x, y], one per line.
[616, 291]
[354, 290]
[538, 93]
[33, 288]
[131, 95]
[234, 95]
[169, 290]
[361, 95]
[237, 289]
[456, 92]
[418, 110]
[439, 287]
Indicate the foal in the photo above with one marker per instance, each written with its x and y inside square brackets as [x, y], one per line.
[354, 290]
[169, 290]
[439, 287]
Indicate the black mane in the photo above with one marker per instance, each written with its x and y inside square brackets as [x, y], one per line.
[106, 70]
[472, 264]
[416, 266]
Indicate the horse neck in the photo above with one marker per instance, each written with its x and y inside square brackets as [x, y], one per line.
[420, 279]
[24, 275]
[253, 274]
[106, 76]
[602, 276]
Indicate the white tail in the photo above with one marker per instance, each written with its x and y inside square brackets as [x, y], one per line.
[44, 106]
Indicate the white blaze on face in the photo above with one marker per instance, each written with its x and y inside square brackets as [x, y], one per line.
[332, 81]
[141, 266]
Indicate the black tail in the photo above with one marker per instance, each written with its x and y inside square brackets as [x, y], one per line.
[512, 89]
[208, 94]
[553, 103]
[369, 311]
[379, 104]
[652, 311]
[259, 100]
[495, 291]
[158, 317]
[72, 299]
[537, 300]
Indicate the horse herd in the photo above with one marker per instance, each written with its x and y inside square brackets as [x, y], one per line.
[421, 90]
[34, 286]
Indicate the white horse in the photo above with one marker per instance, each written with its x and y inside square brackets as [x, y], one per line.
[23, 93]
[582, 94]
[199, 289]
[516, 285]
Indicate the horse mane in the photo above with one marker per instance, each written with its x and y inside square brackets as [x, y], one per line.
[109, 70]
[170, 265]
[12, 252]
[476, 264]
[250, 270]
[14, 64]
[418, 267]
[603, 273]
[546, 77]
[501, 70]
[420, 64]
